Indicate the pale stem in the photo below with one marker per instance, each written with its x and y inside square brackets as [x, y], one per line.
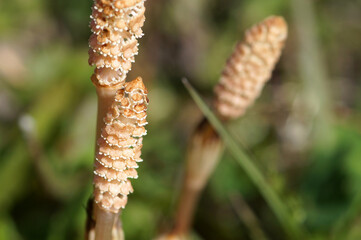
[104, 224]
[187, 204]
[118, 233]
[203, 154]
[106, 97]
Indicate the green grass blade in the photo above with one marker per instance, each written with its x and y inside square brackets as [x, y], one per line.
[289, 224]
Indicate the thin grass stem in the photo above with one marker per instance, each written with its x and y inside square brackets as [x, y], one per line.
[247, 216]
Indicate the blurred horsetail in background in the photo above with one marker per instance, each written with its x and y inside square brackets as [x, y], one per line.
[241, 82]
[302, 134]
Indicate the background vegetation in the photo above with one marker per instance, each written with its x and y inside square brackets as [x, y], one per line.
[304, 131]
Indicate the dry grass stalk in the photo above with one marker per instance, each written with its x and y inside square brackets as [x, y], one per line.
[248, 217]
[250, 67]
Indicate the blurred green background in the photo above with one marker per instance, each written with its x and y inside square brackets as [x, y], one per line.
[304, 131]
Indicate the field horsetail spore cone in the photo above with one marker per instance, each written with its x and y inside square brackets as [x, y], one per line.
[119, 146]
[250, 67]
[116, 25]
[122, 112]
